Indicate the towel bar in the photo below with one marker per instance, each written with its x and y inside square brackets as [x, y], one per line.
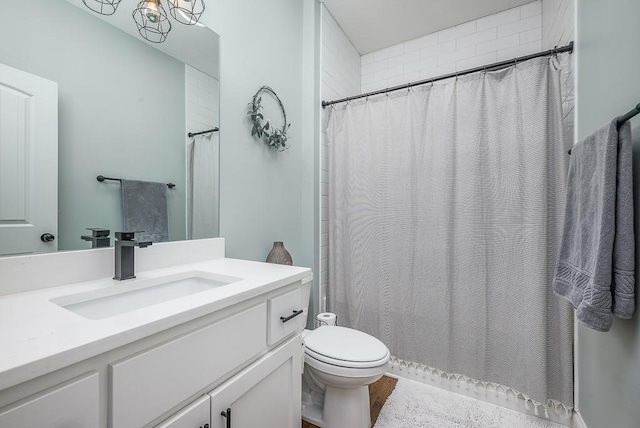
[622, 119]
[208, 131]
[101, 178]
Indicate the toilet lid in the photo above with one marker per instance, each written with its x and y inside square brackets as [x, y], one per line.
[345, 344]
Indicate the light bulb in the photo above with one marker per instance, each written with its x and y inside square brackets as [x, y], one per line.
[151, 12]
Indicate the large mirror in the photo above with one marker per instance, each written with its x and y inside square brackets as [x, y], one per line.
[125, 108]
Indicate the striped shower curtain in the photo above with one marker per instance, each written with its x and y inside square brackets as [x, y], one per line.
[445, 213]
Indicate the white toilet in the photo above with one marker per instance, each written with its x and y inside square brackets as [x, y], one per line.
[339, 363]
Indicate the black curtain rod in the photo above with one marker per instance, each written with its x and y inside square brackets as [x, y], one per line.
[101, 178]
[490, 67]
[628, 115]
[193, 134]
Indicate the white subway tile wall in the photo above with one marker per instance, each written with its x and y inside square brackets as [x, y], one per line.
[558, 22]
[341, 68]
[504, 35]
[202, 101]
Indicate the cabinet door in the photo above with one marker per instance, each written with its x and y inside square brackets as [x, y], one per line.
[195, 415]
[73, 404]
[267, 394]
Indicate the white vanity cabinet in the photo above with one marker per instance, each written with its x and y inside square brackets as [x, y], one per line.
[267, 394]
[179, 363]
[245, 357]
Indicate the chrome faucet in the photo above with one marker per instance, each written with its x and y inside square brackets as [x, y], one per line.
[125, 244]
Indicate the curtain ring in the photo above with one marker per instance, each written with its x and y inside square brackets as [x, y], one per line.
[408, 87]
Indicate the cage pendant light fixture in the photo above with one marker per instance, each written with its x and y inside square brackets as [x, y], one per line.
[186, 12]
[152, 21]
[103, 7]
[150, 17]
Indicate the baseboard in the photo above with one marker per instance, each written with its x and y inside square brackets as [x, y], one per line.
[578, 422]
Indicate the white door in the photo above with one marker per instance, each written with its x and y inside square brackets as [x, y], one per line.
[267, 394]
[28, 163]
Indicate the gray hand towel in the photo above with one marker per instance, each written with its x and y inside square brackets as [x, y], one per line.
[595, 269]
[144, 208]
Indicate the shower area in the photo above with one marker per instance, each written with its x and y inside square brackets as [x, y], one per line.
[443, 205]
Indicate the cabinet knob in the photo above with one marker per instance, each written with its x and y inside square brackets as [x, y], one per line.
[227, 414]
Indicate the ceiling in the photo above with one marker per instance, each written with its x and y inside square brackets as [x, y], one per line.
[377, 24]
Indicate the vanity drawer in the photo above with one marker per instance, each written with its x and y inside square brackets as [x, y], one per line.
[73, 404]
[145, 386]
[285, 306]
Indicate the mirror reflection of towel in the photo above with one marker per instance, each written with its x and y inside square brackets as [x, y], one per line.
[144, 208]
[203, 187]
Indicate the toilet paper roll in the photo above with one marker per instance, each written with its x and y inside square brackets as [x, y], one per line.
[326, 318]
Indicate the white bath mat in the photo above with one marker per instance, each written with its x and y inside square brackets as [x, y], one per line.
[417, 405]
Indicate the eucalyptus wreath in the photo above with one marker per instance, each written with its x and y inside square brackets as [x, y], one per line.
[276, 138]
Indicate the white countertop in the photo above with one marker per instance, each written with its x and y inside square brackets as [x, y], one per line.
[38, 336]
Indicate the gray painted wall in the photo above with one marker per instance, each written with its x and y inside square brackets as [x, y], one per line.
[608, 57]
[111, 88]
[265, 196]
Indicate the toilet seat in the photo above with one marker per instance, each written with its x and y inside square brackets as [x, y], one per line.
[344, 363]
[345, 372]
[345, 347]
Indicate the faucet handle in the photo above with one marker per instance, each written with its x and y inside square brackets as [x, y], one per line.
[127, 236]
[98, 232]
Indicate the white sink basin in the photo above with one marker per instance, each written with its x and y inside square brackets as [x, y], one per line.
[126, 297]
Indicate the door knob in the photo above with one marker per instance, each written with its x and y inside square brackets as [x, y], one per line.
[47, 237]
